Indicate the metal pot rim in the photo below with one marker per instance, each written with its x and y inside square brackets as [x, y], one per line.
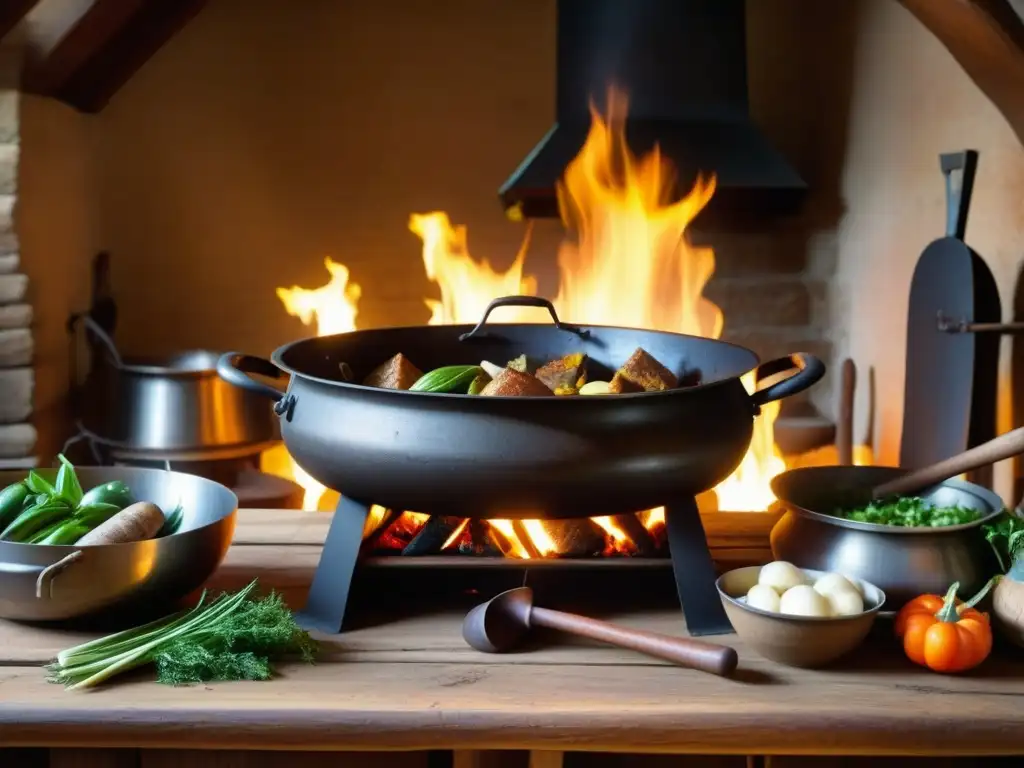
[277, 357]
[994, 502]
[167, 368]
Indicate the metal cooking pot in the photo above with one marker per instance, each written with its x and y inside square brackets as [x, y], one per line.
[172, 407]
[45, 583]
[903, 562]
[517, 457]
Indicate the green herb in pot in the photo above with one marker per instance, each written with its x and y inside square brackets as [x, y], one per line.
[909, 512]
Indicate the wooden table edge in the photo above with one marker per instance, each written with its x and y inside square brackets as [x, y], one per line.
[311, 729]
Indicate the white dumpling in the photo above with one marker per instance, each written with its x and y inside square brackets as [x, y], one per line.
[830, 582]
[780, 576]
[764, 598]
[846, 602]
[802, 600]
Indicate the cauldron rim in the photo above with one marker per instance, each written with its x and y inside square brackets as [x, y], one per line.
[278, 359]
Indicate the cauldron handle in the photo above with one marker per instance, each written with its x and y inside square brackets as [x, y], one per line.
[522, 301]
[809, 371]
[235, 368]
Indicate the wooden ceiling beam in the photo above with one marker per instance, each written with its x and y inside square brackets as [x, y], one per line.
[55, 55]
[100, 50]
[12, 12]
[986, 37]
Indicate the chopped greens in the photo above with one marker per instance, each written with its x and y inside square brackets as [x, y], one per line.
[234, 637]
[909, 512]
[1006, 535]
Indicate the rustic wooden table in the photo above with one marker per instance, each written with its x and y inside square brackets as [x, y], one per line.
[413, 685]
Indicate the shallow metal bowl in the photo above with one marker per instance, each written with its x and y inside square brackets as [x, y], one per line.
[798, 641]
[903, 562]
[47, 583]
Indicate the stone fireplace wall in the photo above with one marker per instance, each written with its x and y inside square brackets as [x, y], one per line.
[17, 378]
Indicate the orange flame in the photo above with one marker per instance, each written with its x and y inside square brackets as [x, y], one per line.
[627, 261]
[333, 307]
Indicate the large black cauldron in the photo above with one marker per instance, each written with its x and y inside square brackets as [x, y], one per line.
[516, 456]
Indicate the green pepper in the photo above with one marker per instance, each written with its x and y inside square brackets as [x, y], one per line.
[451, 378]
[35, 519]
[34, 500]
[68, 532]
[39, 535]
[11, 500]
[114, 492]
[93, 515]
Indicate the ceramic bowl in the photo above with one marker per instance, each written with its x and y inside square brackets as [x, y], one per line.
[797, 641]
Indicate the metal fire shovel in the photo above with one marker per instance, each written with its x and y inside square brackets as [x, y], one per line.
[950, 392]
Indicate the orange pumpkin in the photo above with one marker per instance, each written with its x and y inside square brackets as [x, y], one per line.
[943, 633]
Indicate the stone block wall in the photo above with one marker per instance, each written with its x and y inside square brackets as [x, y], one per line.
[772, 286]
[17, 378]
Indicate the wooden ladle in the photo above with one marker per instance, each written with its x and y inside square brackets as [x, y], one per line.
[500, 623]
[997, 449]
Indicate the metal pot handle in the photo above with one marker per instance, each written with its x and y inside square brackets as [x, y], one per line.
[522, 301]
[44, 581]
[234, 368]
[97, 330]
[809, 371]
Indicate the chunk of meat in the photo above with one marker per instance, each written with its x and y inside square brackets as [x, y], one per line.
[513, 383]
[396, 373]
[647, 373]
[565, 375]
[620, 385]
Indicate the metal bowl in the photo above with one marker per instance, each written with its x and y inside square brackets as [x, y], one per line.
[48, 583]
[903, 562]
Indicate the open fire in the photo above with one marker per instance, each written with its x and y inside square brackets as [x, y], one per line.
[626, 260]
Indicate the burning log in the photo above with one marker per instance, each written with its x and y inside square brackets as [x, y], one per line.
[396, 537]
[433, 536]
[576, 538]
[372, 538]
[642, 540]
[524, 538]
[479, 541]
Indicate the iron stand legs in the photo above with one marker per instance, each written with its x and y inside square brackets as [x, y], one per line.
[692, 567]
[694, 570]
[328, 595]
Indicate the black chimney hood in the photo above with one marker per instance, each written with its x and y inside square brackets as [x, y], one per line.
[683, 66]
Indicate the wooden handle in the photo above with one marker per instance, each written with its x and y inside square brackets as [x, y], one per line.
[844, 427]
[707, 657]
[1002, 447]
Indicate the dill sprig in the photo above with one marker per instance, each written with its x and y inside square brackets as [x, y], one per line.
[233, 637]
